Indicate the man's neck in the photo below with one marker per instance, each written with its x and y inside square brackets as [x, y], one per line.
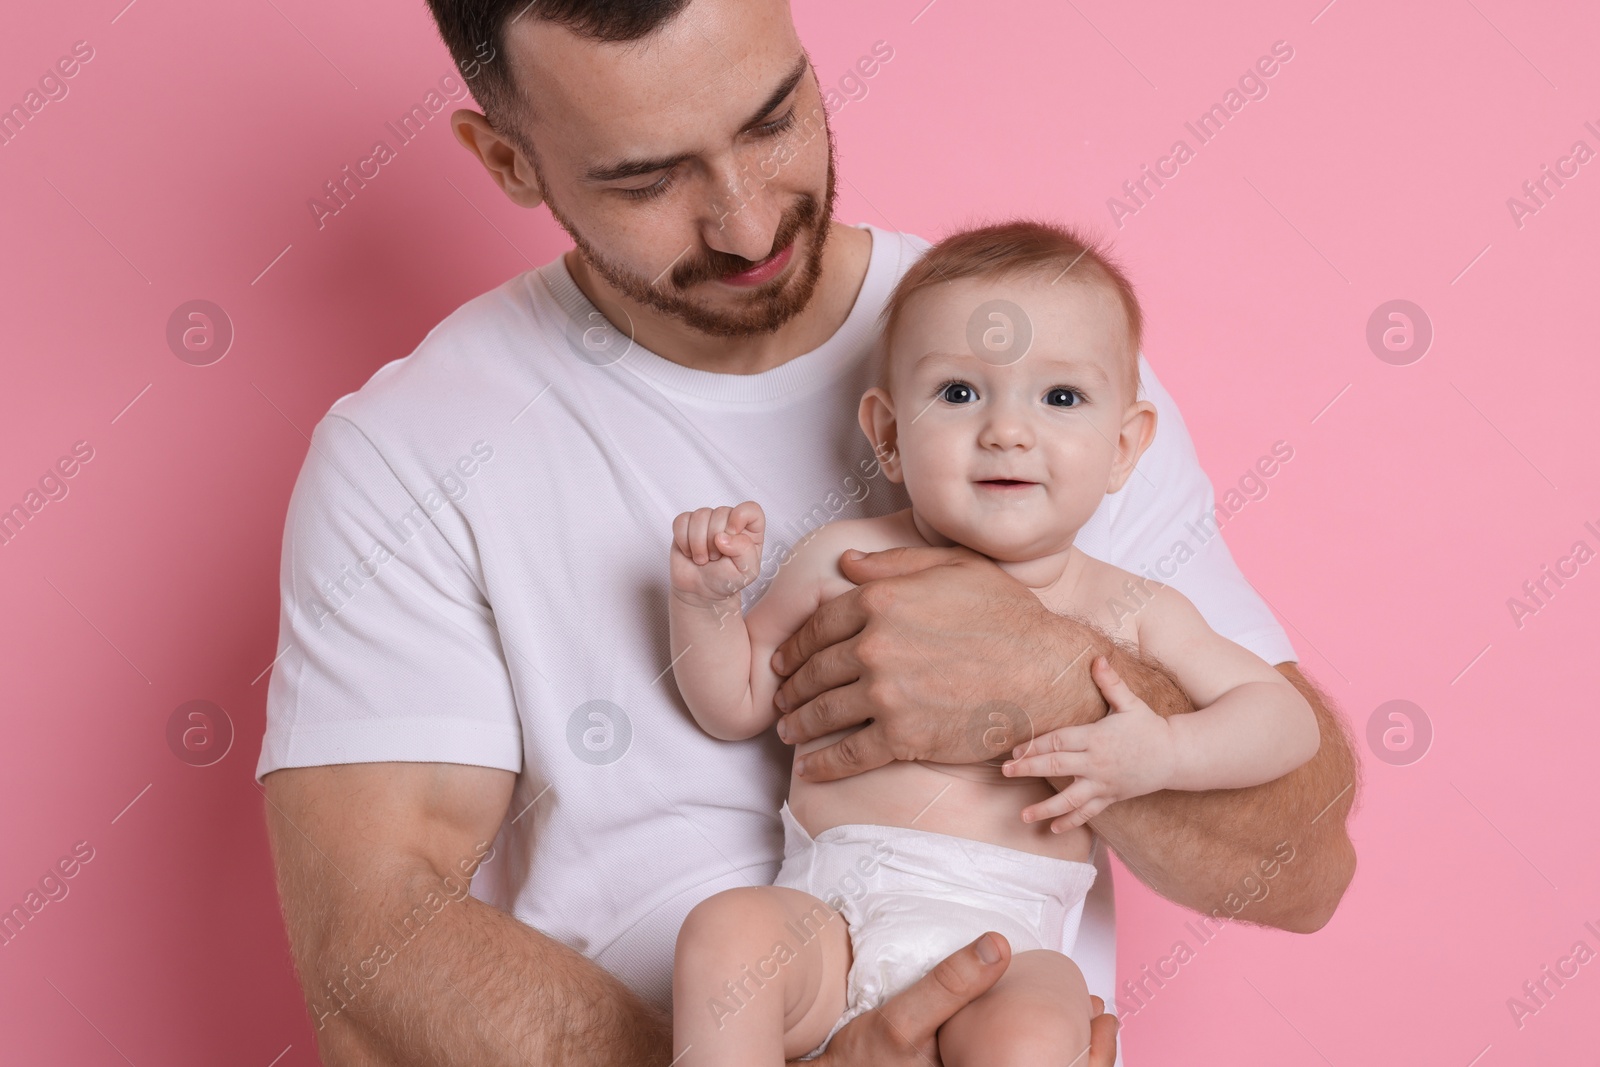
[845, 256]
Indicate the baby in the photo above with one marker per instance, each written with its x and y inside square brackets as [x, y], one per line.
[1007, 404]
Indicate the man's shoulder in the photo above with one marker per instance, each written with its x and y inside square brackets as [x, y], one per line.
[905, 247]
[464, 359]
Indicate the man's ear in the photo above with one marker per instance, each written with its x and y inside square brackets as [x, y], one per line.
[505, 164]
[876, 415]
[1138, 430]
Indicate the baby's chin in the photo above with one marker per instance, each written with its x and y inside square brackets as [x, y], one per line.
[1007, 553]
[1002, 546]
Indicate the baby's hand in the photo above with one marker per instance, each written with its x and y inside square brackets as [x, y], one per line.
[716, 552]
[1130, 752]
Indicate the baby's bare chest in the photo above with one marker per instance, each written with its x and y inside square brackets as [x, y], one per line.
[1108, 599]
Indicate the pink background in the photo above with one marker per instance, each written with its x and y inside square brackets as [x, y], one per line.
[1419, 498]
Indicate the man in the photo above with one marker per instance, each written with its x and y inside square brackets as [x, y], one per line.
[476, 676]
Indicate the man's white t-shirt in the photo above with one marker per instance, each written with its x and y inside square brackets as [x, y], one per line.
[475, 571]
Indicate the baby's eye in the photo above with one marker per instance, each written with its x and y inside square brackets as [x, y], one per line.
[957, 393]
[1063, 397]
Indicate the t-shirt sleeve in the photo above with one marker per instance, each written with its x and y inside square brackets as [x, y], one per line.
[387, 646]
[1163, 526]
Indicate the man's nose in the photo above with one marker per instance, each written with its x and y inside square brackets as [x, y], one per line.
[744, 217]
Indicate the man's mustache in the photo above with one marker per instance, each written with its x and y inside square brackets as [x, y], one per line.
[717, 265]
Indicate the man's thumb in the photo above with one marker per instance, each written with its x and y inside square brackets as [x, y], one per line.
[955, 982]
[861, 567]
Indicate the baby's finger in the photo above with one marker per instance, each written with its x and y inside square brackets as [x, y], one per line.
[1067, 802]
[680, 532]
[733, 544]
[1060, 804]
[1111, 685]
[1047, 765]
[1079, 816]
[718, 523]
[749, 518]
[1064, 739]
[699, 522]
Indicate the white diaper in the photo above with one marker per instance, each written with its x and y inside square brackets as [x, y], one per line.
[912, 897]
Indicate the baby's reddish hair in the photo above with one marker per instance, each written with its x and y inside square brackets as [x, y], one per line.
[1017, 248]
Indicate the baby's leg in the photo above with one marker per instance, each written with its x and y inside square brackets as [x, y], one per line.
[758, 978]
[1036, 1015]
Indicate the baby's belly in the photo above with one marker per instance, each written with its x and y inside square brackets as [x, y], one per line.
[971, 800]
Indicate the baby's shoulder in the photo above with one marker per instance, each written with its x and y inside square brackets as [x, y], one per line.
[819, 550]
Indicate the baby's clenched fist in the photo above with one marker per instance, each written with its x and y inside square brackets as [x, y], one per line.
[716, 552]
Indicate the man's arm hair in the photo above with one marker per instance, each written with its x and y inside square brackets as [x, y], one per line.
[1198, 848]
[398, 965]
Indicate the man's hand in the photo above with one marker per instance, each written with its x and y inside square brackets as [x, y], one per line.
[905, 1029]
[940, 648]
[934, 640]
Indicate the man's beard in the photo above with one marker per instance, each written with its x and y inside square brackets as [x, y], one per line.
[769, 306]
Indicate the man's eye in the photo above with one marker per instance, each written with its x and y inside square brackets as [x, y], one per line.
[776, 126]
[1063, 397]
[649, 192]
[955, 392]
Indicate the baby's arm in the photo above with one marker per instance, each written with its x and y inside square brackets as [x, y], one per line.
[722, 661]
[1250, 724]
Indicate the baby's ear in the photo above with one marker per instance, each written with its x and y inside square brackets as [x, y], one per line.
[876, 415]
[1138, 430]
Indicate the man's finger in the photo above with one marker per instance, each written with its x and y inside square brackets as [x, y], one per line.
[826, 671]
[1102, 1036]
[896, 561]
[836, 620]
[829, 712]
[863, 750]
[956, 981]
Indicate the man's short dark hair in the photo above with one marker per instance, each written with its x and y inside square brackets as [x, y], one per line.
[474, 31]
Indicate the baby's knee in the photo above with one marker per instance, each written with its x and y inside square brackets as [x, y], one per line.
[1037, 1013]
[1052, 976]
[731, 917]
[1020, 1033]
[1063, 1045]
[1049, 1018]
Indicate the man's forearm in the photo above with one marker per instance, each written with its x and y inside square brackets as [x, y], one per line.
[1212, 851]
[472, 987]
